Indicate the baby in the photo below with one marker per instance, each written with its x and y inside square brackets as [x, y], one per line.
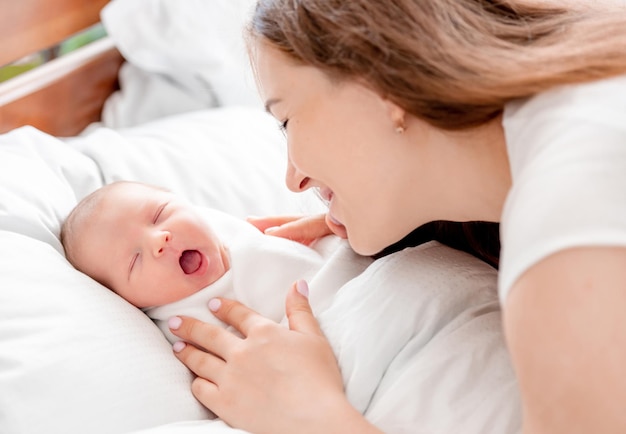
[167, 257]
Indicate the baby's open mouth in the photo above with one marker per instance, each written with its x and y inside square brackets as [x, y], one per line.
[190, 261]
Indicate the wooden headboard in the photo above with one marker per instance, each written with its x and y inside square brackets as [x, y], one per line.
[66, 94]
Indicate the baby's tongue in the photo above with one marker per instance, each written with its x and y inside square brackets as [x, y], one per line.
[190, 261]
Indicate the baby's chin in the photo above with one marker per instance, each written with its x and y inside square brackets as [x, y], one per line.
[216, 268]
[220, 266]
[210, 280]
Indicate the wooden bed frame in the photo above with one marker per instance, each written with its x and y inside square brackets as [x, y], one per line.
[66, 94]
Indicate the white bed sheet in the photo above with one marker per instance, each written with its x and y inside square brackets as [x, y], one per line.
[418, 335]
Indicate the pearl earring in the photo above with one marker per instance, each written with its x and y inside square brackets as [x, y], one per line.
[399, 129]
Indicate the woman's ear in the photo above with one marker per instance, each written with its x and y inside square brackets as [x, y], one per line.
[397, 116]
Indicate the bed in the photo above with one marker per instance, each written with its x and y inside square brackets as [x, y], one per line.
[167, 97]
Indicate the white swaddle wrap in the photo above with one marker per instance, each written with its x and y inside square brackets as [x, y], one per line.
[262, 269]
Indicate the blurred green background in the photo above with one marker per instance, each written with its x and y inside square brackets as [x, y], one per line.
[70, 44]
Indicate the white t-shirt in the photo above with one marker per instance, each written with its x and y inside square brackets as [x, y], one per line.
[567, 150]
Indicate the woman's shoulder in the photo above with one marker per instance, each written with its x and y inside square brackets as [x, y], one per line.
[599, 97]
[532, 125]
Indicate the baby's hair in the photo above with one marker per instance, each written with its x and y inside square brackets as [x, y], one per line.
[78, 217]
[82, 214]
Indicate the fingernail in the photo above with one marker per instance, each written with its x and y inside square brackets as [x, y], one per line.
[303, 288]
[178, 346]
[270, 230]
[214, 304]
[174, 322]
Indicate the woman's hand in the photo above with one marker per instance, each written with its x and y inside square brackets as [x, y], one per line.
[303, 229]
[274, 379]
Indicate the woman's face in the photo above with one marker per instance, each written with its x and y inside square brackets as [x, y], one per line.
[342, 139]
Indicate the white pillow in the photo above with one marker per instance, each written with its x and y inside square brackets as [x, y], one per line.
[232, 158]
[74, 357]
[40, 177]
[144, 96]
[197, 45]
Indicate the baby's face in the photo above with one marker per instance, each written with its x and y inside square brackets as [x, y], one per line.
[150, 247]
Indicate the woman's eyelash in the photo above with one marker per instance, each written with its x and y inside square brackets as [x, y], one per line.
[283, 125]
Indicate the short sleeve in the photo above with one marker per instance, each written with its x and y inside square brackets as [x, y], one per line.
[567, 150]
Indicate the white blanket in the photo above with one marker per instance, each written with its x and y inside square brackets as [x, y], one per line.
[419, 341]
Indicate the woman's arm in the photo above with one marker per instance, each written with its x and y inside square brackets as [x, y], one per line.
[565, 323]
[276, 380]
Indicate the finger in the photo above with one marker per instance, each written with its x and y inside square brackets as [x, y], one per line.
[304, 230]
[298, 309]
[206, 392]
[203, 364]
[236, 314]
[211, 337]
[263, 223]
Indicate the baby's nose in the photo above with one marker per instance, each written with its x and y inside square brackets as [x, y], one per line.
[159, 241]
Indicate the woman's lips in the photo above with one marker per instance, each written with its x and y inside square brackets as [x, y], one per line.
[326, 194]
[336, 226]
[331, 221]
[334, 220]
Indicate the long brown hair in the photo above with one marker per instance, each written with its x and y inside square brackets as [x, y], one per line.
[452, 63]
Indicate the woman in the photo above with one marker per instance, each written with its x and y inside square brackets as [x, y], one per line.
[409, 112]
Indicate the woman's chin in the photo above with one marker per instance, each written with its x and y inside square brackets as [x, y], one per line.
[363, 250]
[336, 227]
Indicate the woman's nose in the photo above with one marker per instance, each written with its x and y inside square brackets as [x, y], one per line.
[158, 242]
[295, 180]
